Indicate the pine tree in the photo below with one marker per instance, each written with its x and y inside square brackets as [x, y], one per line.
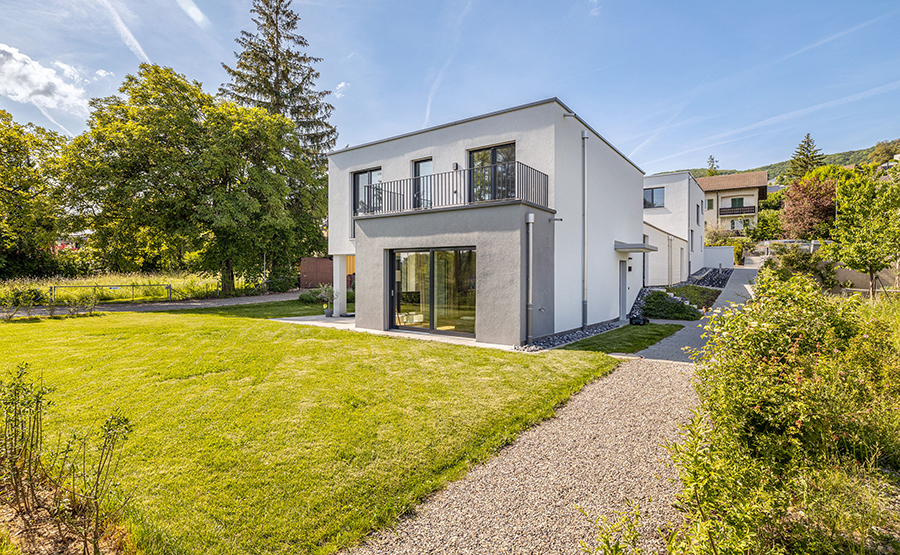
[806, 158]
[712, 166]
[272, 72]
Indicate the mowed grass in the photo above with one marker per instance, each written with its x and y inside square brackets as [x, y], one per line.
[626, 339]
[277, 309]
[253, 436]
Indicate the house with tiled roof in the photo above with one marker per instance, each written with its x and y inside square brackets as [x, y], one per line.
[732, 201]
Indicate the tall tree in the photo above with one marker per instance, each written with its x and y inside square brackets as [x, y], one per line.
[806, 158]
[28, 200]
[809, 203]
[272, 72]
[867, 228]
[712, 166]
[167, 169]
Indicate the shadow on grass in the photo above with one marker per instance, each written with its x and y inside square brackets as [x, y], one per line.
[39, 319]
[275, 309]
[626, 339]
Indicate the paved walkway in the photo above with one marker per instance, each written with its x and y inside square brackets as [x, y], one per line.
[672, 348]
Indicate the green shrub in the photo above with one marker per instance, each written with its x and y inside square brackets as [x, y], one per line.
[789, 260]
[660, 305]
[309, 297]
[800, 399]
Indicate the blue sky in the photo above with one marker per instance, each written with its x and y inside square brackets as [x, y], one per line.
[669, 83]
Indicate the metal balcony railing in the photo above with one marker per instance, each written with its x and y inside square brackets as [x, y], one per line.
[506, 181]
[737, 210]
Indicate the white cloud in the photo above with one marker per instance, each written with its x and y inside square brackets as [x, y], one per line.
[125, 32]
[191, 9]
[27, 81]
[68, 71]
[102, 73]
[595, 11]
[341, 89]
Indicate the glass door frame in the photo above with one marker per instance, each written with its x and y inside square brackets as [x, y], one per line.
[393, 296]
[493, 165]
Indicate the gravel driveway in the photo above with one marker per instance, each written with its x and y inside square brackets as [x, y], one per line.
[603, 446]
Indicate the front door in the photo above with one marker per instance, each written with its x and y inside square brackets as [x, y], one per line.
[434, 290]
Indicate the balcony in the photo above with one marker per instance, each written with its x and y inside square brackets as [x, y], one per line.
[737, 210]
[473, 186]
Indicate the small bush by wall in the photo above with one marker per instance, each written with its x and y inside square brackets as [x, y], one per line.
[662, 306]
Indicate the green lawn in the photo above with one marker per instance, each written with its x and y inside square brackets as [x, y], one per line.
[263, 437]
[278, 309]
[626, 339]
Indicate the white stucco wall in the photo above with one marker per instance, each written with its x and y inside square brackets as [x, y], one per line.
[615, 206]
[664, 266]
[530, 129]
[679, 215]
[720, 257]
[550, 142]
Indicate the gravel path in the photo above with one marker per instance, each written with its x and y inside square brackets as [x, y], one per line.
[604, 446]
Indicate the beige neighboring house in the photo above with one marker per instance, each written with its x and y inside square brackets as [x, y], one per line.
[732, 201]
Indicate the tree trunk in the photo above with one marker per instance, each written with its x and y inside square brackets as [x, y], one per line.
[228, 278]
[871, 285]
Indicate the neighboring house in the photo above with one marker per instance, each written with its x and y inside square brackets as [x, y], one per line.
[732, 201]
[480, 227]
[668, 265]
[674, 222]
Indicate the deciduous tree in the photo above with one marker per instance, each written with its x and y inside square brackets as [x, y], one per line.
[867, 228]
[166, 169]
[28, 200]
[809, 203]
[884, 151]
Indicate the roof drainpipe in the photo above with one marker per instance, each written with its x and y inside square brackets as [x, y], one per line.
[584, 231]
[529, 277]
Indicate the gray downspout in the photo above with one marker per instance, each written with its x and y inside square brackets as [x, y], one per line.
[584, 231]
[529, 277]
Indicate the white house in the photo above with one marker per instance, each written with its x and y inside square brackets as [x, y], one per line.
[504, 227]
[674, 221]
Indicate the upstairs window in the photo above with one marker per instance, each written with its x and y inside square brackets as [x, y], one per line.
[655, 198]
[698, 215]
[709, 204]
[366, 197]
[737, 202]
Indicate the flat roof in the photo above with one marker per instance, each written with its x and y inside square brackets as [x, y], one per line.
[491, 114]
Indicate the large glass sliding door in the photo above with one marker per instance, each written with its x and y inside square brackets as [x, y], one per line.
[434, 290]
[412, 290]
